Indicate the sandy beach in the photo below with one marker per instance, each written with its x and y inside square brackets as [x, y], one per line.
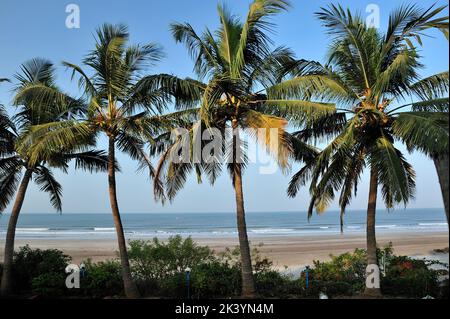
[284, 251]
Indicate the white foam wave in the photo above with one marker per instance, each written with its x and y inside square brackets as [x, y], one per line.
[272, 230]
[104, 229]
[32, 229]
[432, 224]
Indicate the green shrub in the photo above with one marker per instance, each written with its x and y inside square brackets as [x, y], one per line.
[410, 278]
[154, 259]
[102, 279]
[39, 270]
[50, 285]
[215, 279]
[159, 268]
[343, 275]
[271, 284]
[233, 258]
[172, 286]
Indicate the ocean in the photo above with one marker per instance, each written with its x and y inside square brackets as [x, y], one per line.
[210, 225]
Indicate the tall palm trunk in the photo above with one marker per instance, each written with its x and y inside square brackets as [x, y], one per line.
[6, 285]
[441, 163]
[128, 283]
[371, 236]
[248, 283]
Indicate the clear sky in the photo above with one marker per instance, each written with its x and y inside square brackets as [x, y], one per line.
[37, 29]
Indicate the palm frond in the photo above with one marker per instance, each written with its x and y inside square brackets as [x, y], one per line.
[432, 87]
[252, 31]
[424, 131]
[91, 161]
[9, 180]
[435, 105]
[84, 82]
[41, 142]
[298, 111]
[319, 86]
[395, 174]
[45, 179]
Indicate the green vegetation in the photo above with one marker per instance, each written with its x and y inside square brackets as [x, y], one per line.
[159, 271]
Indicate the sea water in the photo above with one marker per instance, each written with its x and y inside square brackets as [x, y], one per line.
[211, 225]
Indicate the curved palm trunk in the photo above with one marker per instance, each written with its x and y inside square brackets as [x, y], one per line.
[6, 284]
[128, 283]
[248, 283]
[371, 236]
[441, 164]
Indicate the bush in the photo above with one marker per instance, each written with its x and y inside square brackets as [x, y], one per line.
[159, 270]
[343, 275]
[233, 257]
[102, 279]
[410, 278]
[215, 279]
[49, 285]
[153, 260]
[159, 267]
[40, 271]
[271, 284]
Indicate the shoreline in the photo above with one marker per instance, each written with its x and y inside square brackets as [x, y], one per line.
[290, 251]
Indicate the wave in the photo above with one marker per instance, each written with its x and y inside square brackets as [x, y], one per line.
[385, 226]
[213, 231]
[432, 224]
[272, 230]
[31, 229]
[104, 229]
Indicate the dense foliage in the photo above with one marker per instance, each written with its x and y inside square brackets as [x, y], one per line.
[159, 271]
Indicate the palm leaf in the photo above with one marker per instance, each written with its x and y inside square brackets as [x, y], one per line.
[48, 183]
[425, 131]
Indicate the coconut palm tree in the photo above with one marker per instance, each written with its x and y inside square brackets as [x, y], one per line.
[236, 66]
[124, 106]
[434, 88]
[366, 74]
[16, 169]
[6, 127]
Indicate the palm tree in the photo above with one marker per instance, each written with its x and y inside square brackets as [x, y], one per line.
[441, 163]
[434, 88]
[366, 73]
[6, 126]
[14, 158]
[123, 105]
[236, 67]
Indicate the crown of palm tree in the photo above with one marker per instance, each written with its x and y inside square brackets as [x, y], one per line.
[366, 73]
[238, 66]
[121, 102]
[17, 136]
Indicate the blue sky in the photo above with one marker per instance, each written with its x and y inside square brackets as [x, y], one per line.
[37, 29]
